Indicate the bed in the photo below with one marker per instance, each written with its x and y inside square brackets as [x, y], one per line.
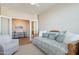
[53, 47]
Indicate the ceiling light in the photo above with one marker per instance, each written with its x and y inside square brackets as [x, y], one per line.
[35, 4]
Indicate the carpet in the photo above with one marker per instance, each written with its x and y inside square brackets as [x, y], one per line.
[29, 49]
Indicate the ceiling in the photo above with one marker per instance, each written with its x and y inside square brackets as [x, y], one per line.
[27, 7]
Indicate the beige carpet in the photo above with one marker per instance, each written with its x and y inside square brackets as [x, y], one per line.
[29, 49]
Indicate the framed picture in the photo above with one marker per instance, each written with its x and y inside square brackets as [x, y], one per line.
[19, 27]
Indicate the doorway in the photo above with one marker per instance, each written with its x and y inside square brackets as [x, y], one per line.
[21, 30]
[34, 28]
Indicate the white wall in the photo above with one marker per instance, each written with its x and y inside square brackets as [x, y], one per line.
[61, 16]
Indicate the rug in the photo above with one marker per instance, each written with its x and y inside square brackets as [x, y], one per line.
[28, 49]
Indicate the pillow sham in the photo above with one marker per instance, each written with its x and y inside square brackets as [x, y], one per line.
[45, 35]
[53, 35]
[61, 36]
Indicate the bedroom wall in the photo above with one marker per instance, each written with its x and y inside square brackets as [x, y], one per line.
[60, 17]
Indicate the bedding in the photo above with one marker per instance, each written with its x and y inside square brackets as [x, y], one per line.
[50, 46]
[71, 38]
[65, 43]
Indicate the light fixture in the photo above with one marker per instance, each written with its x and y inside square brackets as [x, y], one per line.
[35, 4]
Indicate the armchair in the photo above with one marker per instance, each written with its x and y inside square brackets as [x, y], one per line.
[7, 45]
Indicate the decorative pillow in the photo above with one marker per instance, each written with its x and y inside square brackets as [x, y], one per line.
[45, 35]
[61, 36]
[53, 35]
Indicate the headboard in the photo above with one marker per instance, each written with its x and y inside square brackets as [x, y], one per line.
[54, 30]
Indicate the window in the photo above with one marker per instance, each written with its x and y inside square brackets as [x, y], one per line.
[0, 26]
[4, 26]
